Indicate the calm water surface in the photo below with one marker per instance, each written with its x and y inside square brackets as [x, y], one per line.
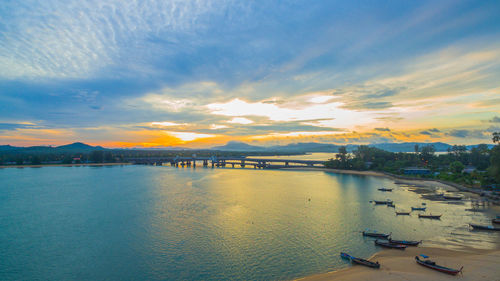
[165, 223]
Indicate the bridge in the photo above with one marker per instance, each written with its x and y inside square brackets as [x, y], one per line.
[256, 163]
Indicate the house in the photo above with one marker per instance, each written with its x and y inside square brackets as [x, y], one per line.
[469, 169]
[416, 171]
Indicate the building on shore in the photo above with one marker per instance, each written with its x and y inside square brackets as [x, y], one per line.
[416, 171]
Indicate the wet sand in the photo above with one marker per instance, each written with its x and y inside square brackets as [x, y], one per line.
[479, 264]
[401, 265]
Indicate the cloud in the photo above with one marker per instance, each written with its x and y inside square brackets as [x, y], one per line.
[383, 129]
[434, 130]
[459, 133]
[240, 120]
[463, 133]
[495, 119]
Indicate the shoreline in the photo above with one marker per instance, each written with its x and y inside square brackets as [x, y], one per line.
[427, 183]
[65, 165]
[401, 265]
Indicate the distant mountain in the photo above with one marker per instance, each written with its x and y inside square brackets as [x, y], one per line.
[469, 147]
[78, 146]
[306, 147]
[239, 146]
[325, 147]
[74, 148]
[8, 147]
[410, 146]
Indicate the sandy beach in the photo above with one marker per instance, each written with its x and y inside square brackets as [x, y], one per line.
[479, 264]
[401, 265]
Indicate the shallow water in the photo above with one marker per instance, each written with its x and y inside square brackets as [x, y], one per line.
[158, 223]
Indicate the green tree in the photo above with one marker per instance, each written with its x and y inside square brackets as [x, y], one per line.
[19, 161]
[342, 156]
[494, 169]
[36, 160]
[97, 156]
[426, 153]
[496, 137]
[67, 159]
[456, 167]
[108, 157]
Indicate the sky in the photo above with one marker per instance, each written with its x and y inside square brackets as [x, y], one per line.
[201, 73]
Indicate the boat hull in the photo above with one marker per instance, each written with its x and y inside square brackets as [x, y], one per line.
[430, 217]
[484, 227]
[439, 268]
[390, 245]
[360, 261]
[376, 235]
[404, 242]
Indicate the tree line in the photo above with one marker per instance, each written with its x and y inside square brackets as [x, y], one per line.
[448, 166]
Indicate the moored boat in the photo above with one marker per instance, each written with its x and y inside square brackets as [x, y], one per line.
[404, 242]
[402, 213]
[430, 264]
[435, 217]
[376, 234]
[390, 245]
[385, 189]
[497, 220]
[360, 260]
[418, 208]
[484, 227]
[377, 202]
[452, 197]
[391, 205]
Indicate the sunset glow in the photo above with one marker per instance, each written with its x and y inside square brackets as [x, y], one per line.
[200, 74]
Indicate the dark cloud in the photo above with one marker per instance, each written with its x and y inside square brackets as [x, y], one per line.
[426, 133]
[492, 129]
[495, 119]
[466, 133]
[385, 93]
[434, 130]
[459, 133]
[368, 105]
[383, 129]
[14, 126]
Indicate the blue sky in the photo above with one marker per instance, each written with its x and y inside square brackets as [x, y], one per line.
[198, 73]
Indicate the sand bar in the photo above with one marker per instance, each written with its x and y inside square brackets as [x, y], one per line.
[401, 265]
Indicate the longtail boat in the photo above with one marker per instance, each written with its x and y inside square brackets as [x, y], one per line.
[495, 221]
[360, 261]
[452, 197]
[434, 217]
[385, 189]
[433, 265]
[390, 245]
[404, 242]
[377, 202]
[402, 213]
[418, 208]
[375, 234]
[484, 227]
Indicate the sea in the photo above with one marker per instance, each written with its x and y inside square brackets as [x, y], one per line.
[137, 222]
